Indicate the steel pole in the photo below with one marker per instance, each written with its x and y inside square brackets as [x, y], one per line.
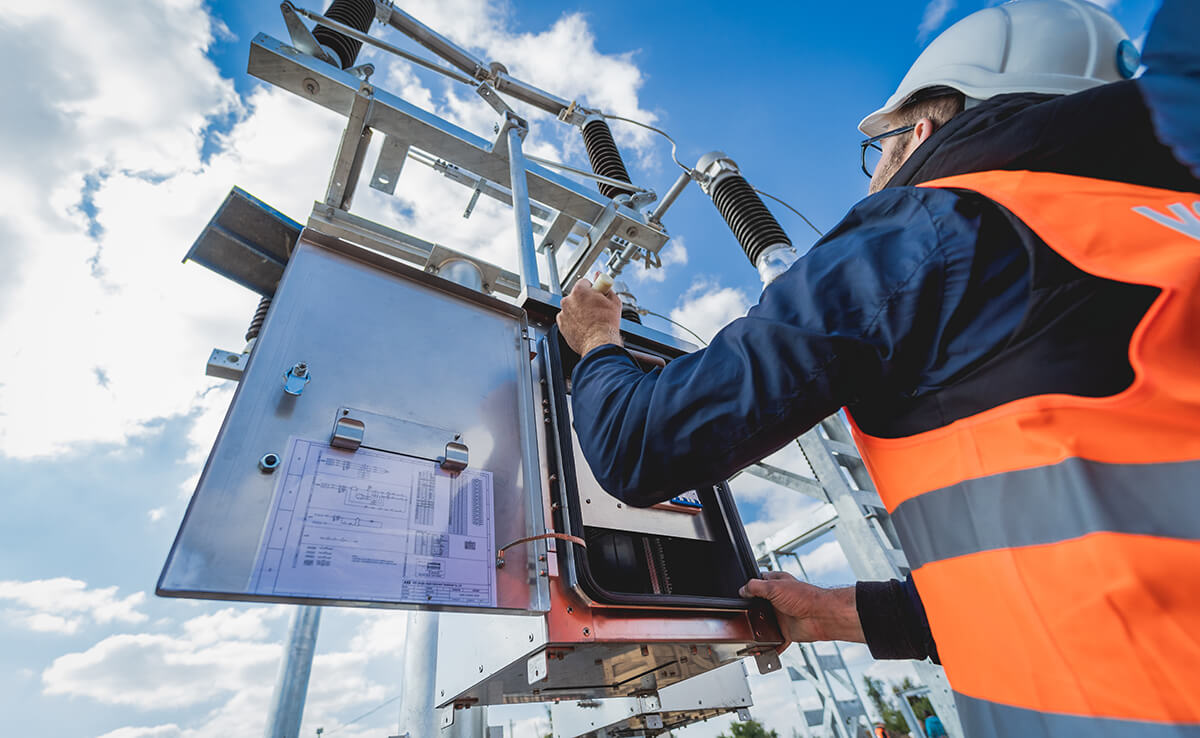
[469, 723]
[670, 198]
[527, 250]
[417, 715]
[291, 686]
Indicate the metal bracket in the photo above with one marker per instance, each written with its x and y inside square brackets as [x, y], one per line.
[598, 238]
[302, 38]
[389, 165]
[383, 11]
[537, 667]
[363, 71]
[456, 457]
[514, 122]
[348, 432]
[640, 200]
[226, 364]
[475, 197]
[649, 703]
[352, 150]
[767, 661]
[491, 97]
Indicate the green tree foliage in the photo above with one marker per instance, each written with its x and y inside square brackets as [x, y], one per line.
[921, 706]
[893, 719]
[748, 729]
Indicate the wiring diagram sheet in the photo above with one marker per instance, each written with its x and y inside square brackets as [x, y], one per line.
[371, 525]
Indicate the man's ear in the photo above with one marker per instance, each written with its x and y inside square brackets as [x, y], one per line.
[925, 128]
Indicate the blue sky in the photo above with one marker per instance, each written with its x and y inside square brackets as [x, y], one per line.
[136, 117]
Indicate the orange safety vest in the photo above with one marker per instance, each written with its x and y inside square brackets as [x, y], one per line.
[1055, 539]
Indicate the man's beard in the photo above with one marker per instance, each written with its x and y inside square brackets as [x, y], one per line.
[887, 169]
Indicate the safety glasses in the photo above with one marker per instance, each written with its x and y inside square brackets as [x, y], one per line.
[872, 151]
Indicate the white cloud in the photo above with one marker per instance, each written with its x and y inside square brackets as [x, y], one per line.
[935, 14]
[226, 660]
[673, 254]
[109, 188]
[825, 560]
[707, 307]
[232, 624]
[159, 731]
[892, 671]
[151, 671]
[65, 605]
[856, 653]
[157, 514]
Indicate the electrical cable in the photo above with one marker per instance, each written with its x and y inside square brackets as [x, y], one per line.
[659, 131]
[556, 536]
[673, 322]
[690, 171]
[789, 207]
[372, 711]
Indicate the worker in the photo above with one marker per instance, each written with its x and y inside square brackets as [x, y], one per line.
[933, 726]
[1010, 319]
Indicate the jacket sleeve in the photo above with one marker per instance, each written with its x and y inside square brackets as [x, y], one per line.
[893, 620]
[861, 312]
[1171, 84]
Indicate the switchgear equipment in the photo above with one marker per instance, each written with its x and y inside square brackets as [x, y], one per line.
[401, 435]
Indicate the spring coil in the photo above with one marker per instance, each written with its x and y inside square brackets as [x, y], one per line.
[605, 158]
[357, 14]
[260, 314]
[752, 224]
[631, 313]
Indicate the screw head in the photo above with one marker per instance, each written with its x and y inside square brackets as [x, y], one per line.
[310, 86]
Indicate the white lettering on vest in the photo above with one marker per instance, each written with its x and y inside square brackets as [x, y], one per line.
[1185, 221]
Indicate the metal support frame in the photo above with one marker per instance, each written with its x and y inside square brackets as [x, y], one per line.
[352, 151]
[536, 189]
[861, 525]
[514, 131]
[914, 723]
[708, 695]
[418, 718]
[291, 686]
[838, 715]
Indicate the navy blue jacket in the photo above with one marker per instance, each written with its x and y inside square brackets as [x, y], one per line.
[892, 312]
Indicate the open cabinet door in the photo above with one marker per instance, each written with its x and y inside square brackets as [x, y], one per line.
[378, 451]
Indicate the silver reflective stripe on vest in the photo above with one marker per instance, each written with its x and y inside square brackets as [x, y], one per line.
[983, 719]
[1048, 504]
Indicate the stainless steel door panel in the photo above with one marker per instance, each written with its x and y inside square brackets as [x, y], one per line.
[391, 343]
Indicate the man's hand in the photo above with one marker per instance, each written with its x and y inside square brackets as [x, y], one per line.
[806, 612]
[590, 319]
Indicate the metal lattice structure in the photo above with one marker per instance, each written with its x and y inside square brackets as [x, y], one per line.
[853, 512]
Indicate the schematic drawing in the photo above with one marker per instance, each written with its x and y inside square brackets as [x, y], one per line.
[425, 536]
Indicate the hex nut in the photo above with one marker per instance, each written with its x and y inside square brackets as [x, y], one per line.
[268, 463]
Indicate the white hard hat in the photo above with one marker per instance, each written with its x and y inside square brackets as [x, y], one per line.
[1045, 46]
